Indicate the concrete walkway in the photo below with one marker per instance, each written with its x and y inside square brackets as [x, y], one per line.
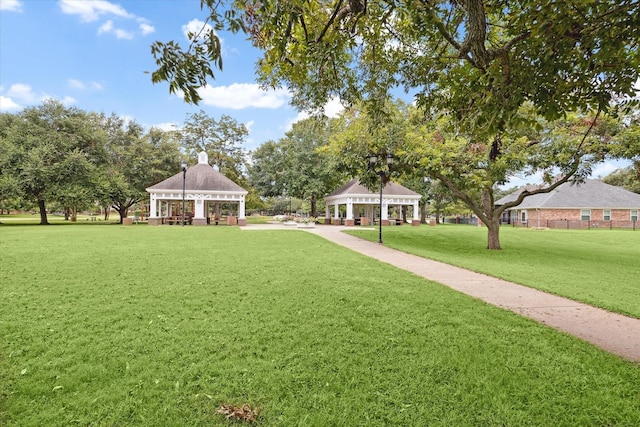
[615, 333]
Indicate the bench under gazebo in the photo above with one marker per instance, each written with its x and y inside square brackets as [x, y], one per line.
[361, 203]
[204, 188]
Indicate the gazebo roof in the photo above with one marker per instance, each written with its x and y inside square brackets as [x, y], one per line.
[354, 187]
[199, 178]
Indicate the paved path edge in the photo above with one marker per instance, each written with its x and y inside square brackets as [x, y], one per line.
[615, 333]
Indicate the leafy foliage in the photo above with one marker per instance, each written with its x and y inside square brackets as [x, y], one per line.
[628, 178]
[295, 166]
[474, 66]
[47, 149]
[134, 161]
[221, 139]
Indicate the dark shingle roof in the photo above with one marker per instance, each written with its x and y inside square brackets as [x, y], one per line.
[590, 194]
[355, 187]
[200, 177]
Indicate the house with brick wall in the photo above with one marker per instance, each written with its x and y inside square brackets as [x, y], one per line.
[592, 204]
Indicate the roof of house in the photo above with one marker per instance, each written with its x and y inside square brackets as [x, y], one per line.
[590, 194]
[355, 187]
[200, 177]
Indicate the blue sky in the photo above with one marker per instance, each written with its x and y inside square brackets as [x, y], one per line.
[93, 54]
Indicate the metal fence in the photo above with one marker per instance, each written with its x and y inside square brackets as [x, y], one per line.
[578, 224]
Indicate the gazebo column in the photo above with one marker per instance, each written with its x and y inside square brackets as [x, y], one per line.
[153, 211]
[336, 215]
[198, 217]
[153, 206]
[242, 219]
[384, 215]
[349, 221]
[327, 214]
[416, 214]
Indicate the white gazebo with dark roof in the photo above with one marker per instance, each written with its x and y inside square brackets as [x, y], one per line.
[356, 197]
[204, 187]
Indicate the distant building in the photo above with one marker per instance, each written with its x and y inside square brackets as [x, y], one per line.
[591, 204]
[361, 203]
[203, 189]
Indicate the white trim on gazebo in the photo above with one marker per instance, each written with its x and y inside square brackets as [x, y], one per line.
[202, 187]
[354, 195]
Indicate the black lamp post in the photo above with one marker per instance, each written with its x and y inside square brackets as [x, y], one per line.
[373, 160]
[184, 186]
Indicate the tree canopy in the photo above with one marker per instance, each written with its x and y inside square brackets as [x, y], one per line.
[49, 153]
[490, 78]
[221, 139]
[295, 166]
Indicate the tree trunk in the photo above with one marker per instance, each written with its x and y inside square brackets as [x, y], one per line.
[123, 213]
[66, 214]
[493, 234]
[437, 215]
[314, 208]
[423, 213]
[43, 213]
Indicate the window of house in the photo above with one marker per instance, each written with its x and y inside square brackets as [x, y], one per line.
[524, 216]
[585, 214]
[606, 215]
[634, 215]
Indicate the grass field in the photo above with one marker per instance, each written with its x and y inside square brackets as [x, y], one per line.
[152, 326]
[599, 267]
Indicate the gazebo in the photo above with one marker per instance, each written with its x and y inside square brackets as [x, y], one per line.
[204, 188]
[361, 203]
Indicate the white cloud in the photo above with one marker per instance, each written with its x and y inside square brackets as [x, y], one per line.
[239, 96]
[249, 125]
[94, 10]
[196, 26]
[91, 10]
[107, 27]
[603, 170]
[80, 85]
[11, 5]
[332, 109]
[122, 34]
[147, 29]
[167, 126]
[289, 123]
[68, 100]
[76, 84]
[7, 104]
[22, 92]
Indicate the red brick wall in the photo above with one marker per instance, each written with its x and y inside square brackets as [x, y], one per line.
[552, 217]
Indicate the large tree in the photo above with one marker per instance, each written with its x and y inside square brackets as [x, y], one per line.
[628, 178]
[47, 150]
[295, 166]
[135, 160]
[310, 173]
[221, 139]
[479, 62]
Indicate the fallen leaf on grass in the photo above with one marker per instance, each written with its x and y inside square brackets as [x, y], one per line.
[239, 413]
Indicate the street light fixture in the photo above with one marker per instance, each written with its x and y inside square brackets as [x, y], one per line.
[373, 160]
[184, 186]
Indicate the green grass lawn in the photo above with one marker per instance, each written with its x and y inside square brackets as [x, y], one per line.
[153, 326]
[599, 267]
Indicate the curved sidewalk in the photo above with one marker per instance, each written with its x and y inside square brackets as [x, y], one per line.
[613, 332]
